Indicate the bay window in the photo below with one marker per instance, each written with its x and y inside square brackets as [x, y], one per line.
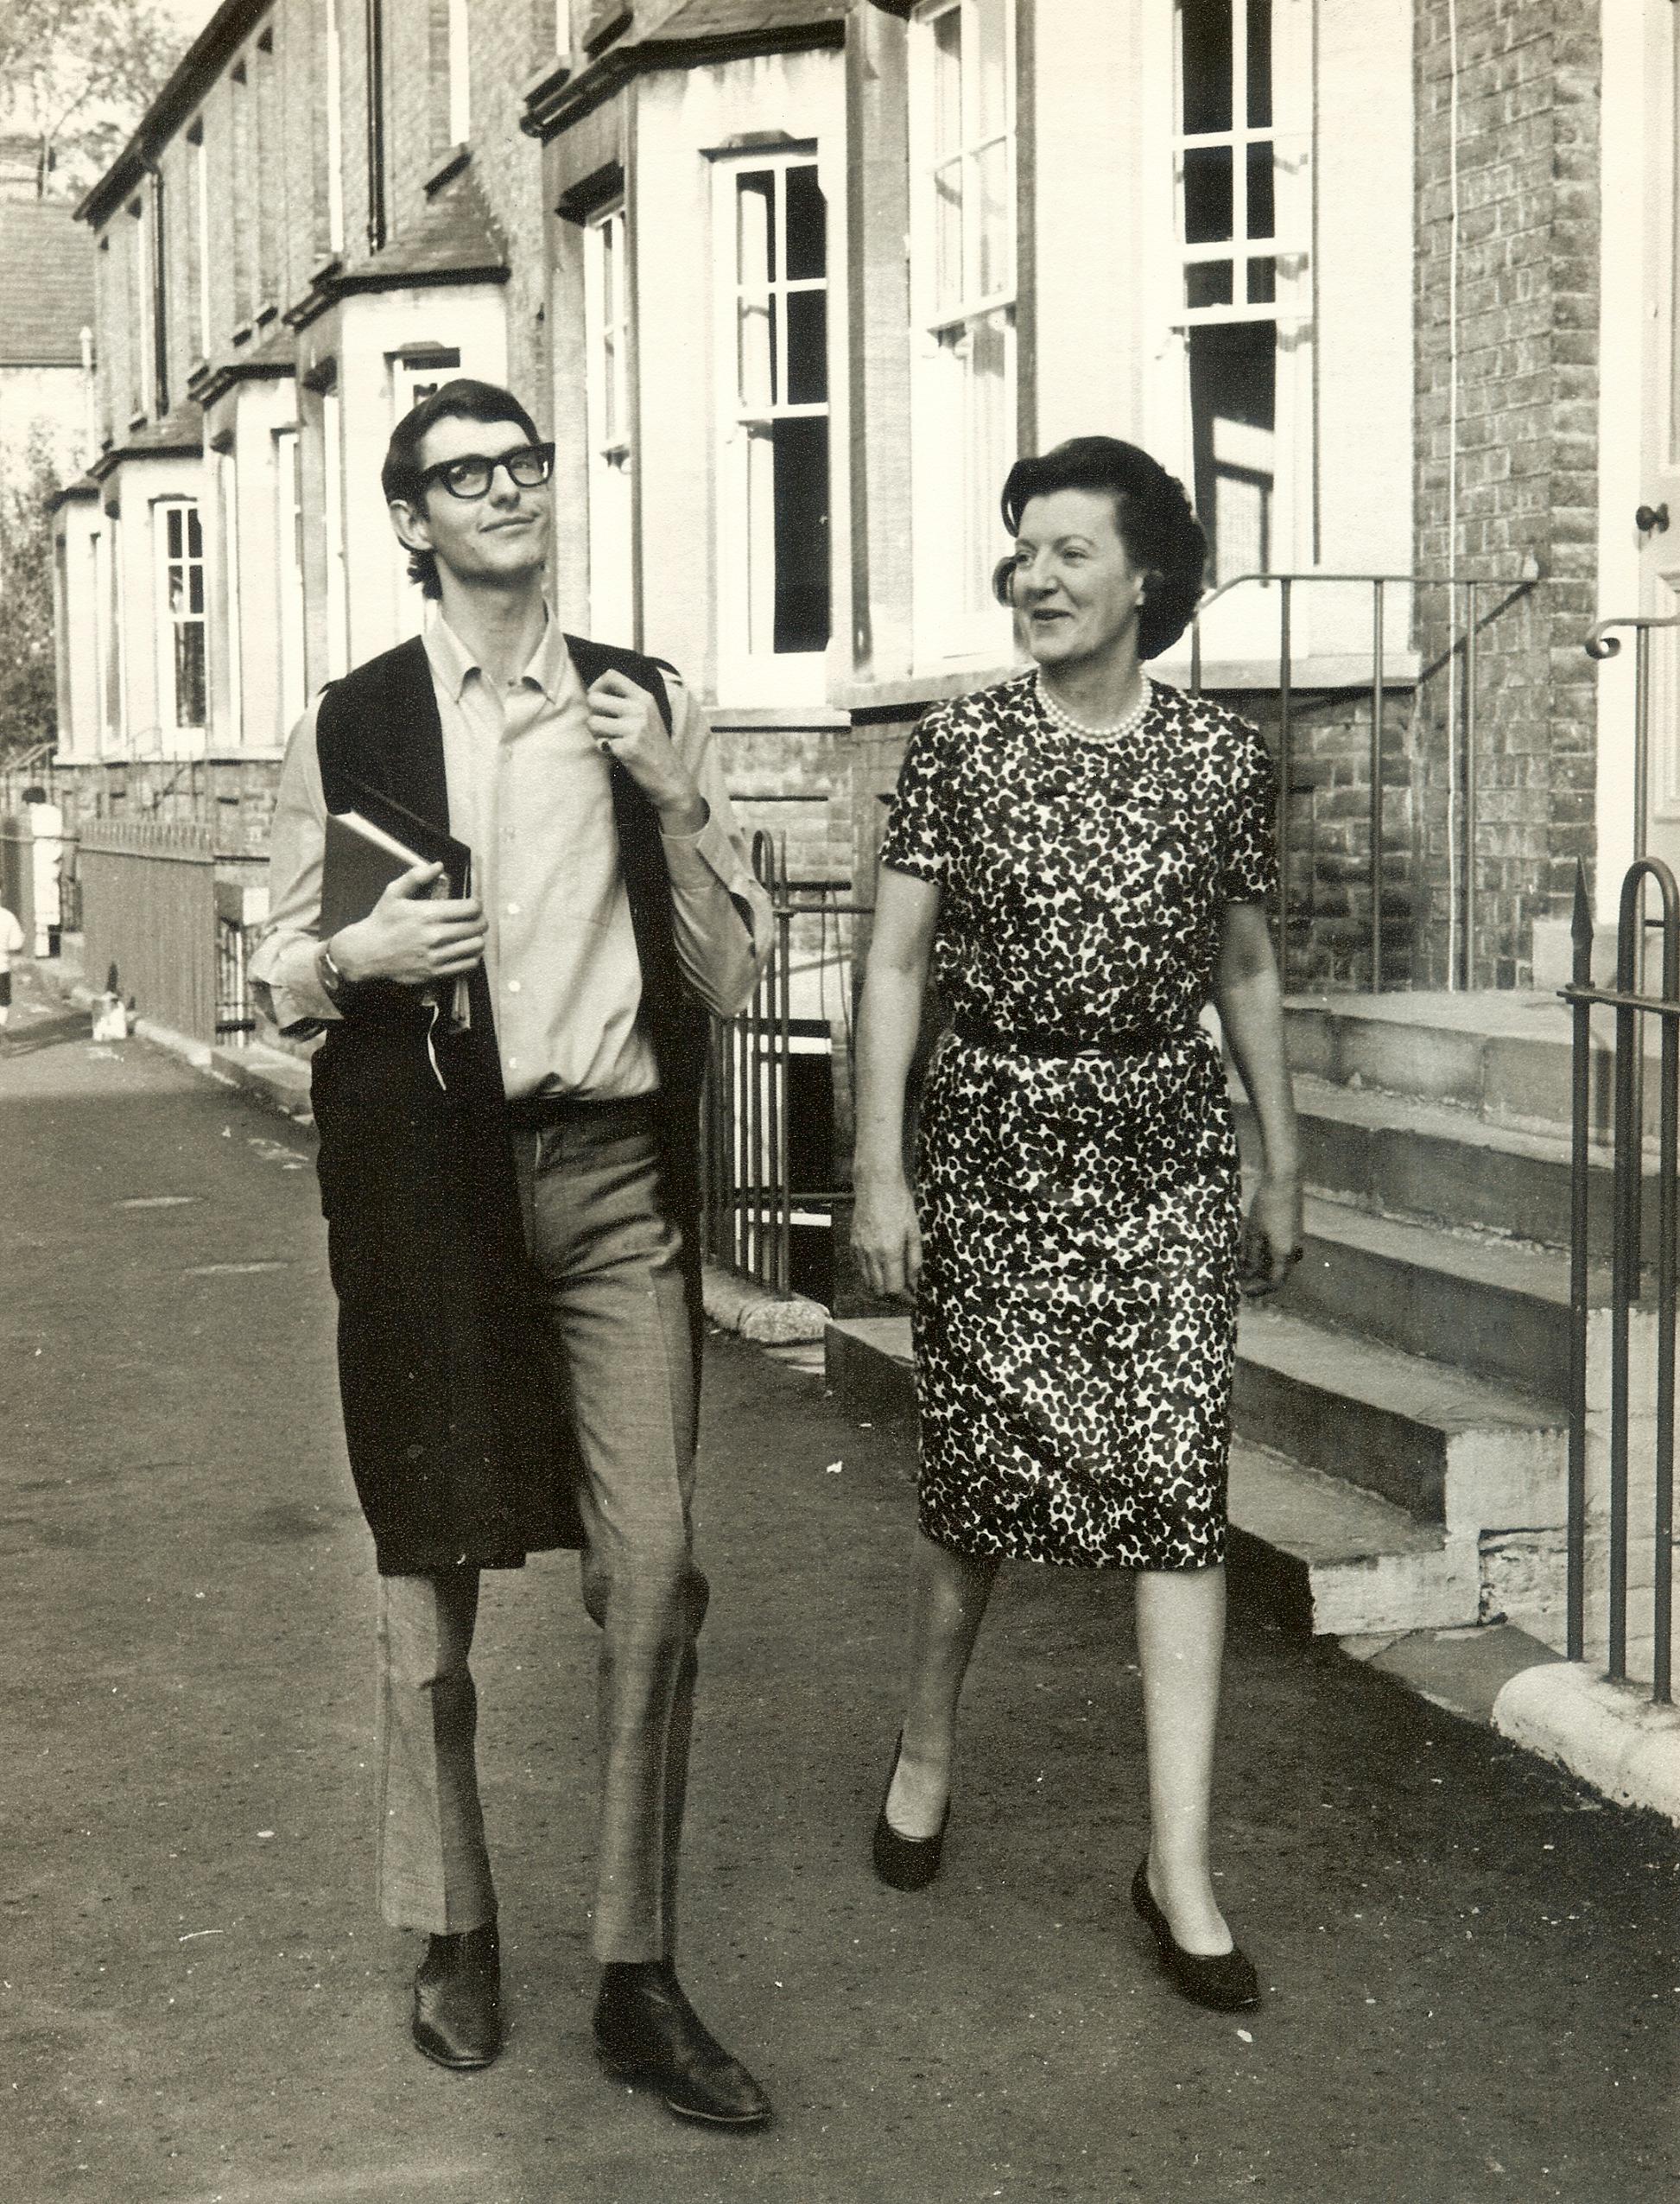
[179, 546]
[775, 606]
[962, 273]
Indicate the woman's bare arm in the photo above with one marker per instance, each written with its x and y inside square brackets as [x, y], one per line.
[885, 1231]
[1250, 1001]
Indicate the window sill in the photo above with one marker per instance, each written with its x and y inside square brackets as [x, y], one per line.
[914, 689]
[448, 168]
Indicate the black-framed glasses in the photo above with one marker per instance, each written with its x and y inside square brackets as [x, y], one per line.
[528, 467]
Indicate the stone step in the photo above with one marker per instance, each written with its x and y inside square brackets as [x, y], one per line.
[1330, 1560]
[1409, 1156]
[1447, 1446]
[1497, 1307]
[1327, 1555]
[1507, 1058]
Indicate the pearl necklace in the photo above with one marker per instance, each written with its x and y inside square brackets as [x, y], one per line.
[1064, 719]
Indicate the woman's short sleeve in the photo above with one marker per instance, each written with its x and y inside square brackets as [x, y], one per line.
[919, 826]
[1251, 849]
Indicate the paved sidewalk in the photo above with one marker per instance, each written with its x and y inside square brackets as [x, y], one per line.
[1471, 1966]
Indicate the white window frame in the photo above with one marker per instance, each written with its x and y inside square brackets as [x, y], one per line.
[958, 468]
[227, 518]
[171, 727]
[337, 578]
[114, 712]
[201, 160]
[291, 684]
[750, 670]
[145, 321]
[98, 554]
[1242, 626]
[417, 375]
[610, 425]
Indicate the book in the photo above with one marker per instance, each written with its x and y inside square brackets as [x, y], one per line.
[371, 845]
[374, 843]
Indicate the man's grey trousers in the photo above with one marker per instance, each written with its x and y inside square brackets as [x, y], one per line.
[619, 1322]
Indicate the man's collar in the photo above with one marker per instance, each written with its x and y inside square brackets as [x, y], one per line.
[452, 661]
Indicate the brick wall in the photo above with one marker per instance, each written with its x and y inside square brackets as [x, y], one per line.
[1506, 465]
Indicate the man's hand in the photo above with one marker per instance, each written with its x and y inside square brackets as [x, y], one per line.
[411, 937]
[625, 722]
[885, 1236]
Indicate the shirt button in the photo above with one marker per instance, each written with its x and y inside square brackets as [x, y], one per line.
[513, 910]
[513, 987]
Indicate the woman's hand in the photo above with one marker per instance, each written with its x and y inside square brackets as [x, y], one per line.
[1270, 1235]
[886, 1236]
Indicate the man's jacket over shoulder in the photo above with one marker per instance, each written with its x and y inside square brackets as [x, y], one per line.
[458, 1433]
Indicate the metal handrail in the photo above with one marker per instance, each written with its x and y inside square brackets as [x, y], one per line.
[1603, 644]
[1631, 1006]
[1463, 974]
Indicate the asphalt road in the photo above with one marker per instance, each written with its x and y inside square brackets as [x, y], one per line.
[1472, 1967]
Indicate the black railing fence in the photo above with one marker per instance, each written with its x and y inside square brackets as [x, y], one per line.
[1474, 605]
[767, 1120]
[1651, 1316]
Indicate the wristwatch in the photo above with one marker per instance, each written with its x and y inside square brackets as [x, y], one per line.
[337, 985]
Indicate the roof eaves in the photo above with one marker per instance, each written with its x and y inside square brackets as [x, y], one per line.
[559, 100]
[180, 96]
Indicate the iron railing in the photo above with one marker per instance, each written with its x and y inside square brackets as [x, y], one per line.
[1475, 595]
[1632, 1007]
[1604, 642]
[752, 1194]
[234, 1021]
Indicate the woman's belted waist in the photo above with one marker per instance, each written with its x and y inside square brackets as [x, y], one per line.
[1053, 1041]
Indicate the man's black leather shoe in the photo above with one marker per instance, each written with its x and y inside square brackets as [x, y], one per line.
[646, 2030]
[457, 1999]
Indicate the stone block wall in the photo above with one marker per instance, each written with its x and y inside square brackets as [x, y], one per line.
[1506, 299]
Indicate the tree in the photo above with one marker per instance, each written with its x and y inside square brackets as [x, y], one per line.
[76, 76]
[28, 684]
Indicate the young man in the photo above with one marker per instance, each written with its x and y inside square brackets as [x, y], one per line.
[510, 1198]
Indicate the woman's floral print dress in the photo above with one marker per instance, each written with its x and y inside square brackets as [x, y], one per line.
[1076, 1326]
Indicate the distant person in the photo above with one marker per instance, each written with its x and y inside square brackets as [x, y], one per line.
[511, 1206]
[11, 944]
[1084, 857]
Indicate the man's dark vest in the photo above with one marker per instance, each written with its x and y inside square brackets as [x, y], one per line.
[459, 1435]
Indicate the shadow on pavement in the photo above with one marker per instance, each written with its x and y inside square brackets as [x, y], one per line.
[44, 1033]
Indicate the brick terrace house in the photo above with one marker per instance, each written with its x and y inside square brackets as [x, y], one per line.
[792, 280]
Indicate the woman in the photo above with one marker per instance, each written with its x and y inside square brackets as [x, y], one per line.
[1084, 856]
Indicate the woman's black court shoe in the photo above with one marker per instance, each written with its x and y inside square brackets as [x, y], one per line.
[1223, 1981]
[905, 1862]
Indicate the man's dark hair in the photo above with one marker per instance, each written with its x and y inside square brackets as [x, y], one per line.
[464, 399]
[1152, 514]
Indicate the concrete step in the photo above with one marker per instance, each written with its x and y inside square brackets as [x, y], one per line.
[1330, 1560]
[1497, 1307]
[1408, 1156]
[1326, 1553]
[1447, 1446]
[1507, 1058]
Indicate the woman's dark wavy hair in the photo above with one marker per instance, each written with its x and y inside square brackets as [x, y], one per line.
[1162, 535]
[465, 398]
